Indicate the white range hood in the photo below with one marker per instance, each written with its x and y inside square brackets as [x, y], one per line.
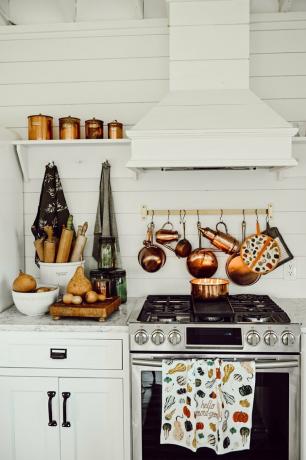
[210, 118]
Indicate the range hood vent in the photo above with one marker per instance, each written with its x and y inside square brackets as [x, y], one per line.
[210, 118]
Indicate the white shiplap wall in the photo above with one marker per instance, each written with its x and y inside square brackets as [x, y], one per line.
[120, 70]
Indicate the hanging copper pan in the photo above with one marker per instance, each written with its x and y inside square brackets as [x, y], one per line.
[151, 257]
[202, 263]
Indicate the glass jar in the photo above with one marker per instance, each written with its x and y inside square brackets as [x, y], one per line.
[101, 282]
[119, 276]
[107, 251]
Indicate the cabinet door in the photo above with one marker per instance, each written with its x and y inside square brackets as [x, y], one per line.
[24, 419]
[94, 411]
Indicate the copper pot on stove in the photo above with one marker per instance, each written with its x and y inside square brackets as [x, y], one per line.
[209, 288]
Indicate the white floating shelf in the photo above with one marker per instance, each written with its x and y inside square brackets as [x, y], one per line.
[80, 158]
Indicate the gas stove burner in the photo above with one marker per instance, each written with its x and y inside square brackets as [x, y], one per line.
[241, 308]
[257, 318]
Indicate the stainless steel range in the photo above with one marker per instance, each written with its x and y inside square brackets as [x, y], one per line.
[235, 327]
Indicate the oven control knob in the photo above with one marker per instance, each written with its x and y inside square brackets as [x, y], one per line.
[141, 337]
[158, 337]
[288, 338]
[270, 338]
[253, 338]
[174, 337]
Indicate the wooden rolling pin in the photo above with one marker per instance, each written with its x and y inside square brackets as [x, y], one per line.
[49, 245]
[65, 242]
[39, 246]
[77, 253]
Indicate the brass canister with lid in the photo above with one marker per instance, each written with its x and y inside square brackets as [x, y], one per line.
[69, 128]
[94, 129]
[115, 130]
[40, 127]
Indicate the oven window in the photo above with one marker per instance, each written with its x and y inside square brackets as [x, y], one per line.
[270, 432]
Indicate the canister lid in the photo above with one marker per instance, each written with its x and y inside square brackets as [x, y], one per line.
[115, 123]
[95, 121]
[69, 119]
[40, 115]
[118, 272]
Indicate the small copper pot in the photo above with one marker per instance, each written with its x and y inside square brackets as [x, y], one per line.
[151, 257]
[69, 128]
[94, 129]
[209, 288]
[40, 127]
[115, 130]
[202, 263]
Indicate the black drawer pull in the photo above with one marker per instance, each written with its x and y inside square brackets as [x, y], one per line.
[51, 395]
[58, 353]
[65, 423]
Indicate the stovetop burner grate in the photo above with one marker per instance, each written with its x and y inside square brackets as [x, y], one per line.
[241, 308]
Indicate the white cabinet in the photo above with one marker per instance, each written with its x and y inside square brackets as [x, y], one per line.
[80, 382]
[95, 414]
[92, 426]
[24, 430]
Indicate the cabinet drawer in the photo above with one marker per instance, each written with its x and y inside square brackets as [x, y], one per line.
[57, 354]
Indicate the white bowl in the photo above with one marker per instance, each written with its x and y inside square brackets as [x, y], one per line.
[35, 303]
[58, 274]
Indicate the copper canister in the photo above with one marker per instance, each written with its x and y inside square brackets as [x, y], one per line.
[94, 129]
[40, 127]
[69, 128]
[115, 130]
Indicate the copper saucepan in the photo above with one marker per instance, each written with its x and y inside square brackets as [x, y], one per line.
[202, 263]
[209, 288]
[151, 257]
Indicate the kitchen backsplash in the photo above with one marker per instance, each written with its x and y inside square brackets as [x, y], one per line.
[193, 189]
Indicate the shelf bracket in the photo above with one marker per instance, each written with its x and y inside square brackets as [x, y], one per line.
[22, 160]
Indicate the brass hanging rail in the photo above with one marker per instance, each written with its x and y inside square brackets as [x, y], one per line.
[145, 212]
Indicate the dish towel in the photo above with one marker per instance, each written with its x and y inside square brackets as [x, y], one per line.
[105, 218]
[207, 403]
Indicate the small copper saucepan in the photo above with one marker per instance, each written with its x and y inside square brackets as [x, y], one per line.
[209, 288]
[151, 257]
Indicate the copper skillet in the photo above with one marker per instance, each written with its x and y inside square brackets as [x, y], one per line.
[237, 271]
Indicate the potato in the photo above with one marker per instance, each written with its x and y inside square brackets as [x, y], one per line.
[77, 300]
[91, 297]
[67, 299]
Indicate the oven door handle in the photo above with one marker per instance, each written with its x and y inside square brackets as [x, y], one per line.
[258, 364]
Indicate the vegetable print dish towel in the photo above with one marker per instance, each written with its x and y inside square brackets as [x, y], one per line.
[207, 403]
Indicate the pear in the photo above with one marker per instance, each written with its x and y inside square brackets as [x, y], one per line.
[79, 284]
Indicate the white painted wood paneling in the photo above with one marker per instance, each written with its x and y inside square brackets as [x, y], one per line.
[136, 65]
[207, 43]
[209, 12]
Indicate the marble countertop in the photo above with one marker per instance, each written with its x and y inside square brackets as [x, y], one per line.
[12, 320]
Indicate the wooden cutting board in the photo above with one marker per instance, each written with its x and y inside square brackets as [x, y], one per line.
[98, 310]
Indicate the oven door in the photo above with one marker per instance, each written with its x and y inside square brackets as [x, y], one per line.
[276, 411]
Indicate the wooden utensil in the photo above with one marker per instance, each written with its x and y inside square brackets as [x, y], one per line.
[79, 246]
[260, 252]
[237, 271]
[65, 243]
[49, 245]
[39, 246]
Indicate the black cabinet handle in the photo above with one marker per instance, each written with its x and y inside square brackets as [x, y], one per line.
[66, 396]
[58, 353]
[51, 395]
